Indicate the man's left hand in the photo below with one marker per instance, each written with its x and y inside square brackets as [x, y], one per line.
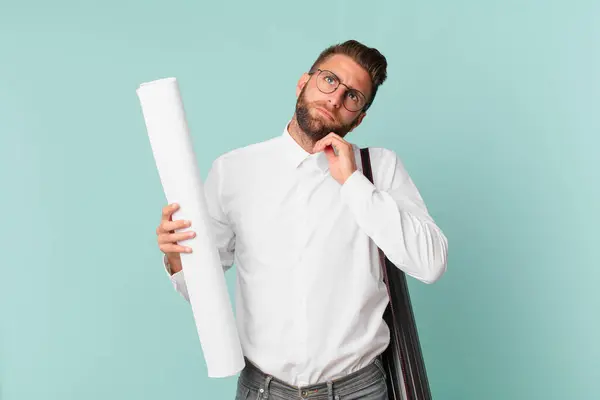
[341, 165]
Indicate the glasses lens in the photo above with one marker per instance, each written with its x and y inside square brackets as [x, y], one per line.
[354, 100]
[327, 82]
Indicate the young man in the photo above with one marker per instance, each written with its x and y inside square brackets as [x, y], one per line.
[302, 224]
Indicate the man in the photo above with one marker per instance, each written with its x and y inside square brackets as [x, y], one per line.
[302, 224]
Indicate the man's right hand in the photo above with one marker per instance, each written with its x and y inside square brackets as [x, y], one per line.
[168, 238]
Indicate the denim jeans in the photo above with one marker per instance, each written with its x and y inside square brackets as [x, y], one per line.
[369, 383]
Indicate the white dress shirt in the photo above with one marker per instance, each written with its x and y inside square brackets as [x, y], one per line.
[309, 291]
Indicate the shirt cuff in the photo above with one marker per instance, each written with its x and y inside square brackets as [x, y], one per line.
[177, 279]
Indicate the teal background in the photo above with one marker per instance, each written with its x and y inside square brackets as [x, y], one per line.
[493, 107]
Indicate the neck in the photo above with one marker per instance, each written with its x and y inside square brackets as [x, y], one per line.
[304, 140]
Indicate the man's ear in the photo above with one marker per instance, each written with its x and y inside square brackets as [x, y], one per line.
[358, 121]
[301, 83]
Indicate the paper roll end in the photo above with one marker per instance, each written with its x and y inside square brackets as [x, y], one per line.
[158, 81]
[228, 372]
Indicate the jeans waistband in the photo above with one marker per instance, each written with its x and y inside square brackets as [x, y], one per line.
[266, 384]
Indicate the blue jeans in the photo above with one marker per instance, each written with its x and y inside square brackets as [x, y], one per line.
[369, 383]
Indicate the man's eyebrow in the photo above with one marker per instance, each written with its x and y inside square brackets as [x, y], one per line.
[349, 87]
[338, 78]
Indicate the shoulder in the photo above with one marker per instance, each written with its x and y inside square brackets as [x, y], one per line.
[387, 166]
[383, 157]
[382, 154]
[250, 151]
[241, 156]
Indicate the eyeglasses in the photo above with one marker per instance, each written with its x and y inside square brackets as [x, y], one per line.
[328, 82]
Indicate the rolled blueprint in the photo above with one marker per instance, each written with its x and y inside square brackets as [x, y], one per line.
[171, 143]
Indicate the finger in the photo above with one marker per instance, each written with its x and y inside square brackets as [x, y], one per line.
[340, 142]
[342, 147]
[330, 153]
[168, 211]
[321, 144]
[175, 237]
[174, 248]
[333, 137]
[171, 226]
[332, 140]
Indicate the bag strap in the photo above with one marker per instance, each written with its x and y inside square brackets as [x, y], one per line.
[366, 163]
[393, 352]
[368, 173]
[403, 360]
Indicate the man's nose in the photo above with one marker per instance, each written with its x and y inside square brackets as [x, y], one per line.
[336, 98]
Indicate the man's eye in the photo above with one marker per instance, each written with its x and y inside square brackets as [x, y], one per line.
[330, 80]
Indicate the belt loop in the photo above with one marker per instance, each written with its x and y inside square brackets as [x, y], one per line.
[329, 390]
[379, 365]
[264, 392]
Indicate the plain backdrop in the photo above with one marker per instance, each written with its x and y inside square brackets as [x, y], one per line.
[492, 105]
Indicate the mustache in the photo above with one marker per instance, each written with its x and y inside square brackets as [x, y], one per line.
[332, 111]
[323, 105]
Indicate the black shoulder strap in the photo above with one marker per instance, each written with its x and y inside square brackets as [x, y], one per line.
[366, 163]
[402, 360]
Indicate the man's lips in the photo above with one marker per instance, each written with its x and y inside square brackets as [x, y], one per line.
[326, 113]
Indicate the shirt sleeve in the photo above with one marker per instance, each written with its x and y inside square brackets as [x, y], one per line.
[393, 214]
[223, 232]
[177, 280]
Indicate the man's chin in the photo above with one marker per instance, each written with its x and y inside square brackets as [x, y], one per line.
[319, 130]
[318, 125]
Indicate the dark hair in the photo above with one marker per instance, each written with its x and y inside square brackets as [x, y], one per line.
[367, 57]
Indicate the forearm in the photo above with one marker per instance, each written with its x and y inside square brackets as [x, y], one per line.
[416, 246]
[400, 226]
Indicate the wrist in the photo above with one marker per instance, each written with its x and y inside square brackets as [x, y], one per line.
[174, 264]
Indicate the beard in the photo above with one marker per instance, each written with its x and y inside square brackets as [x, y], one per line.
[316, 128]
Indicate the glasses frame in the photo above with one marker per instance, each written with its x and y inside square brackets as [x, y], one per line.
[348, 88]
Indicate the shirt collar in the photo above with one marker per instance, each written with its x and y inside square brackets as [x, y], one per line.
[297, 155]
